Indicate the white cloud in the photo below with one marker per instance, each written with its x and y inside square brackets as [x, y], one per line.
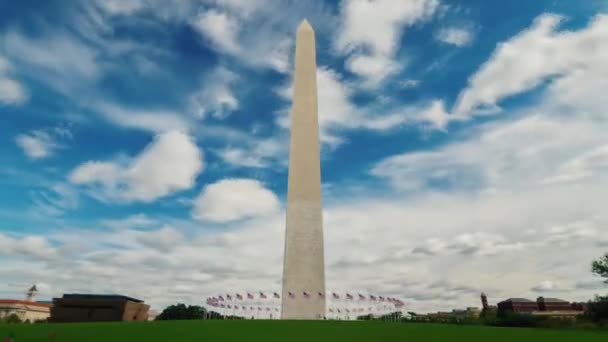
[455, 36]
[163, 239]
[121, 7]
[435, 115]
[72, 65]
[169, 164]
[220, 28]
[257, 153]
[11, 91]
[234, 29]
[337, 112]
[537, 54]
[42, 143]
[216, 96]
[373, 45]
[157, 121]
[586, 165]
[546, 286]
[36, 145]
[234, 199]
[520, 153]
[409, 83]
[33, 246]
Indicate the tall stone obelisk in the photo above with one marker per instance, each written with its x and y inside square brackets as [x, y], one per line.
[304, 263]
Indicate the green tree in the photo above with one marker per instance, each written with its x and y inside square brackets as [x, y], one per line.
[181, 311]
[597, 310]
[600, 267]
[12, 318]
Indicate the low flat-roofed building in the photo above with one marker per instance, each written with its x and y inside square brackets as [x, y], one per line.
[518, 305]
[98, 308]
[553, 304]
[25, 310]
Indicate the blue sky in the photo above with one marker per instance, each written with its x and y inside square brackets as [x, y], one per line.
[463, 146]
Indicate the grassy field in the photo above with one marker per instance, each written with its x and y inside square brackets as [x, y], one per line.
[283, 331]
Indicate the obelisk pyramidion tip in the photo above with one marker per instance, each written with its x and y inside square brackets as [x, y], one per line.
[305, 26]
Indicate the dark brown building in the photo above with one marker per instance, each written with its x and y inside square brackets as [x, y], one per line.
[518, 305]
[553, 304]
[97, 308]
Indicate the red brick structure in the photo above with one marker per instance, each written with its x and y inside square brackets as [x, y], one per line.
[518, 305]
[553, 304]
[98, 308]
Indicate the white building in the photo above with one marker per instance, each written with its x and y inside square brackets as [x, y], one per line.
[25, 310]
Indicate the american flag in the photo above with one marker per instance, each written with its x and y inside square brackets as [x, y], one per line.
[262, 295]
[229, 297]
[291, 295]
[349, 296]
[249, 295]
[276, 295]
[335, 295]
[238, 296]
[306, 295]
[361, 297]
[320, 294]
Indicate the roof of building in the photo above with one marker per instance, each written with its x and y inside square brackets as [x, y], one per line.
[520, 300]
[554, 300]
[100, 296]
[23, 302]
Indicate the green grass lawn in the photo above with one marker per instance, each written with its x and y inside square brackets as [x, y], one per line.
[286, 331]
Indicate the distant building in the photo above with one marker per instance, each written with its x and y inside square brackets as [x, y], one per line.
[553, 304]
[25, 310]
[517, 305]
[98, 308]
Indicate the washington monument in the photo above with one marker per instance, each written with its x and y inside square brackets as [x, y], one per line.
[304, 263]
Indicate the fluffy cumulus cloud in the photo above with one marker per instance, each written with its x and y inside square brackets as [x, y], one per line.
[220, 29]
[169, 164]
[11, 91]
[234, 199]
[541, 52]
[455, 36]
[372, 46]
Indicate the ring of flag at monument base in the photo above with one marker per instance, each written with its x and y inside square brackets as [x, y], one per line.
[262, 306]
